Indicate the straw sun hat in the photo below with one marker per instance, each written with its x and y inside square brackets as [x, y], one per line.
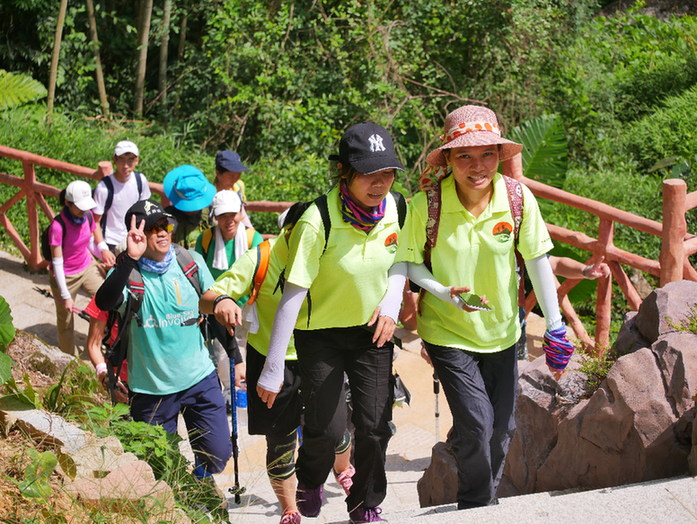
[470, 126]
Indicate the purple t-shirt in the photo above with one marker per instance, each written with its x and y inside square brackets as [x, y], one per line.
[76, 253]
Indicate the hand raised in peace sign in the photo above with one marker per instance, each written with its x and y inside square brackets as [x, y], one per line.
[136, 240]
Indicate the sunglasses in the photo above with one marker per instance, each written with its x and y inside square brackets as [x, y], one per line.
[162, 225]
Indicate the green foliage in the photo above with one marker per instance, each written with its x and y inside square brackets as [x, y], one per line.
[544, 154]
[35, 484]
[7, 328]
[5, 368]
[618, 70]
[18, 398]
[688, 324]
[667, 132]
[17, 89]
[73, 391]
[596, 369]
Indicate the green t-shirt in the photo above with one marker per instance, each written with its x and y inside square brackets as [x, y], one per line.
[165, 357]
[238, 282]
[479, 253]
[349, 280]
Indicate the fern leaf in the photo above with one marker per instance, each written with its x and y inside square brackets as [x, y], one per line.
[545, 152]
[18, 88]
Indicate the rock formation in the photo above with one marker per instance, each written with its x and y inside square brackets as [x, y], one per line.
[637, 426]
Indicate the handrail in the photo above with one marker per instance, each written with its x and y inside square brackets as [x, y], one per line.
[673, 264]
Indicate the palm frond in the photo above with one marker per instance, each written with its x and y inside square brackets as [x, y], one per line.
[18, 88]
[545, 152]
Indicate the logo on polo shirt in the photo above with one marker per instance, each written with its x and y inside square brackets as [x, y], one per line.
[391, 243]
[502, 232]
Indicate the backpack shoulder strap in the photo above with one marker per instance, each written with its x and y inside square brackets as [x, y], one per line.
[401, 203]
[189, 267]
[250, 236]
[514, 191]
[58, 218]
[323, 207]
[139, 183]
[109, 193]
[134, 297]
[433, 197]
[109, 184]
[262, 266]
[206, 240]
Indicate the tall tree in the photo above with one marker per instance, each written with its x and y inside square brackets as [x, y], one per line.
[56, 55]
[144, 34]
[94, 37]
[164, 44]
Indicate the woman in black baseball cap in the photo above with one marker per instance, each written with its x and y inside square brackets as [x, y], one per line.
[336, 296]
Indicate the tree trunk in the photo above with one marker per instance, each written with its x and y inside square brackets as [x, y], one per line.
[97, 59]
[164, 52]
[143, 33]
[182, 37]
[180, 52]
[54, 58]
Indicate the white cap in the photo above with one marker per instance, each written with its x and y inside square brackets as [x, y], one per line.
[226, 201]
[79, 193]
[126, 146]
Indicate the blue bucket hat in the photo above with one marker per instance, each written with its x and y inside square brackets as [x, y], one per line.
[188, 189]
[229, 161]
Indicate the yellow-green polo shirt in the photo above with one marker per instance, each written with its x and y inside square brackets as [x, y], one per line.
[479, 253]
[349, 280]
[238, 281]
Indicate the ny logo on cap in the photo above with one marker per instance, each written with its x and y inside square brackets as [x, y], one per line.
[376, 143]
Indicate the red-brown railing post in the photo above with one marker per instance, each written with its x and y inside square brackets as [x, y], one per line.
[32, 215]
[603, 306]
[674, 230]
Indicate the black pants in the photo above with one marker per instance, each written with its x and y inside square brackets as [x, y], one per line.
[323, 357]
[480, 389]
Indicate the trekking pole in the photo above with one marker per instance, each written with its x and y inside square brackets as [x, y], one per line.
[80, 313]
[436, 392]
[236, 490]
[230, 345]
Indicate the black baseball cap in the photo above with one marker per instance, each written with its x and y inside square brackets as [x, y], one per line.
[147, 210]
[368, 148]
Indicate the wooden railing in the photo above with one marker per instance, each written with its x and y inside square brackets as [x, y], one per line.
[673, 264]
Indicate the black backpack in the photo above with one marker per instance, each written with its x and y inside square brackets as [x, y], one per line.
[298, 209]
[45, 246]
[117, 350]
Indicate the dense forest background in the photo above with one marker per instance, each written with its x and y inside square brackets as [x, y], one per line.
[603, 94]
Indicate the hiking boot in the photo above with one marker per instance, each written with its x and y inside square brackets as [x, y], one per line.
[309, 500]
[345, 479]
[290, 517]
[360, 515]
